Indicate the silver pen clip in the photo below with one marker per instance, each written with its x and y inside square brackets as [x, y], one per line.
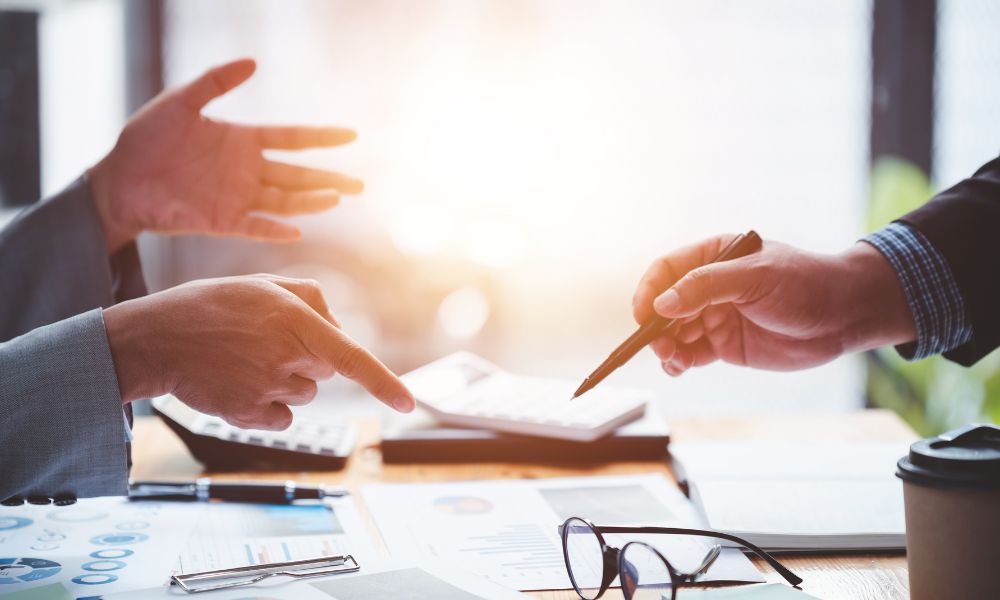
[241, 576]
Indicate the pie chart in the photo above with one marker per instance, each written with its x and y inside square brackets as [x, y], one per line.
[463, 505]
[20, 570]
[118, 539]
[7, 523]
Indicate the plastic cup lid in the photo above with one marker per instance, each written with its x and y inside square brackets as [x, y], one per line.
[964, 458]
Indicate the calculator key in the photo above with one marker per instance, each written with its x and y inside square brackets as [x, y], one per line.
[303, 448]
[279, 443]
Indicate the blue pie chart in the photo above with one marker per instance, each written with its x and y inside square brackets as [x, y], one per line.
[95, 579]
[20, 570]
[103, 565]
[112, 553]
[7, 523]
[118, 539]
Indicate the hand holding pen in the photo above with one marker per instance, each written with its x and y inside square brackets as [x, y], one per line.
[655, 326]
[779, 308]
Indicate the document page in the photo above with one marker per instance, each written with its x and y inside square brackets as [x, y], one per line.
[383, 579]
[507, 531]
[105, 545]
[96, 546]
[238, 535]
[798, 495]
[767, 591]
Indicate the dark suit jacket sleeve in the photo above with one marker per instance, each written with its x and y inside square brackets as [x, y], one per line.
[63, 429]
[963, 224]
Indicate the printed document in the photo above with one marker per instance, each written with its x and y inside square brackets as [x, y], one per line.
[93, 547]
[507, 530]
[105, 545]
[386, 579]
[794, 496]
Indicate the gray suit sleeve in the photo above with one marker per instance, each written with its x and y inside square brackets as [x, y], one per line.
[63, 430]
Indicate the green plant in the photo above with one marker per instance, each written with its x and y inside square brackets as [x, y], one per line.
[933, 394]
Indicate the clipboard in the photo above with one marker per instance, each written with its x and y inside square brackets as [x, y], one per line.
[235, 577]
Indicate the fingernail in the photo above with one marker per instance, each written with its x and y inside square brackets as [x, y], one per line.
[403, 404]
[667, 302]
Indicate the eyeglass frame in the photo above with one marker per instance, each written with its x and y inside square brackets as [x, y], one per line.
[612, 556]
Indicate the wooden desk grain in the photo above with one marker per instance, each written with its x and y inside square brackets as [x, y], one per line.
[159, 454]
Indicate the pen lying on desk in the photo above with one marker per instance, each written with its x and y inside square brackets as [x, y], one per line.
[204, 489]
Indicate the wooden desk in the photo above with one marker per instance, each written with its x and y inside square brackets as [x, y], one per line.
[160, 454]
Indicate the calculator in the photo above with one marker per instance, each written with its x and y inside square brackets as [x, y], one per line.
[465, 390]
[316, 443]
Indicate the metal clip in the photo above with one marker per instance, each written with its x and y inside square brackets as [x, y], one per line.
[313, 567]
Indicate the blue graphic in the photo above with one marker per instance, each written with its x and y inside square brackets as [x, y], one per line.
[95, 578]
[76, 514]
[111, 553]
[45, 546]
[51, 536]
[103, 565]
[7, 523]
[118, 539]
[19, 570]
[283, 520]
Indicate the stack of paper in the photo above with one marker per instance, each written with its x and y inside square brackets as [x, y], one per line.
[797, 497]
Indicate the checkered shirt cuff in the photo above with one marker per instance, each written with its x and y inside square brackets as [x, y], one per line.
[930, 289]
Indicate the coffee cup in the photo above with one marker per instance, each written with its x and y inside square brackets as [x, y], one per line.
[951, 494]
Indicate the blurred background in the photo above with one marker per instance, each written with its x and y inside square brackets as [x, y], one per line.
[526, 160]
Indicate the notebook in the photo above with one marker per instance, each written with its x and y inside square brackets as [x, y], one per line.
[797, 497]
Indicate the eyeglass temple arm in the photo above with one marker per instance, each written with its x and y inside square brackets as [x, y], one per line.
[707, 562]
[782, 570]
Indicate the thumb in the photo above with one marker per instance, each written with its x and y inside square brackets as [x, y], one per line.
[216, 82]
[720, 283]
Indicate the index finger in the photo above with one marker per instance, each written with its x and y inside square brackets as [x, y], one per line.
[308, 290]
[356, 363]
[669, 268]
[298, 137]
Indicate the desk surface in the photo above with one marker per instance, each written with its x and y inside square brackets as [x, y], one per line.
[158, 454]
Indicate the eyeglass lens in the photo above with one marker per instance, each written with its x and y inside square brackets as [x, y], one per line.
[644, 575]
[584, 557]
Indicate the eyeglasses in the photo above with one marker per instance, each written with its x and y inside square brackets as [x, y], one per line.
[644, 573]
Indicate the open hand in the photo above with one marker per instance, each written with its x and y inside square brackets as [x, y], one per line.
[174, 170]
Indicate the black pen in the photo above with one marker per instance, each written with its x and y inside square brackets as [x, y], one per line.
[742, 245]
[204, 489]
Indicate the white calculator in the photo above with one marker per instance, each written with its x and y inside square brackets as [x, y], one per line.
[465, 390]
